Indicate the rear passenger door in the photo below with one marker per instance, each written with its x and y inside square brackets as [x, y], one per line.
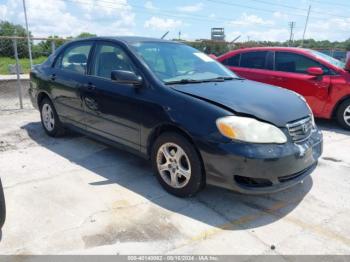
[67, 75]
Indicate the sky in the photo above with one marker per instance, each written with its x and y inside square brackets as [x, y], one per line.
[249, 19]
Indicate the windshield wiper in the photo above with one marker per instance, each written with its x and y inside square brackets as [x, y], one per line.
[222, 79]
[183, 81]
[216, 79]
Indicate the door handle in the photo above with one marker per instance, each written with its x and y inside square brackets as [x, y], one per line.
[90, 87]
[53, 77]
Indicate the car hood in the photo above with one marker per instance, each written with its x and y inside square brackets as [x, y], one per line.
[265, 102]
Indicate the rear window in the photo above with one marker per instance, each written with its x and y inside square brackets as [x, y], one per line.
[232, 61]
[256, 60]
[74, 58]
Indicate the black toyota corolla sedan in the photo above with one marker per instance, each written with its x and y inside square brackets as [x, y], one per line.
[198, 122]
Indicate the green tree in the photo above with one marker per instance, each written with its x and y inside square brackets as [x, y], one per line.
[347, 45]
[44, 48]
[85, 35]
[6, 45]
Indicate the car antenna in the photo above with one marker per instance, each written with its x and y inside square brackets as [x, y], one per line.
[234, 40]
[165, 35]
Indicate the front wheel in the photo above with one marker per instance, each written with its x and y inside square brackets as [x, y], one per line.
[2, 206]
[343, 114]
[177, 165]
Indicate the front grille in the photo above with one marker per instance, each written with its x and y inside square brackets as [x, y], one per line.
[252, 182]
[300, 130]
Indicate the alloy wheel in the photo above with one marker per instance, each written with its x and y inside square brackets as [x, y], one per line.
[173, 165]
[48, 117]
[346, 115]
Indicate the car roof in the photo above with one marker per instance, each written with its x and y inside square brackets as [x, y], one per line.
[125, 39]
[300, 49]
[271, 48]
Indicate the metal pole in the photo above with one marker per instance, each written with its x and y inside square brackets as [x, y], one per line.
[19, 87]
[53, 46]
[164, 35]
[306, 23]
[28, 37]
[291, 25]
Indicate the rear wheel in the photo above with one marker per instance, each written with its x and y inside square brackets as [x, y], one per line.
[343, 114]
[177, 165]
[49, 119]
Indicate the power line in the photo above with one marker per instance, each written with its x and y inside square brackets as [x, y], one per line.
[248, 7]
[102, 3]
[298, 8]
[276, 4]
[195, 17]
[330, 3]
[168, 13]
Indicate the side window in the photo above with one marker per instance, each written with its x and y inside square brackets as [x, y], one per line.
[74, 58]
[232, 61]
[255, 60]
[109, 57]
[295, 63]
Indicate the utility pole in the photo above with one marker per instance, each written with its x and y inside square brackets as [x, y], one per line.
[306, 23]
[291, 26]
[28, 37]
[19, 87]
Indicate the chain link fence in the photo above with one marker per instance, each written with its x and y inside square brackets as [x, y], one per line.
[15, 67]
[15, 64]
[14, 94]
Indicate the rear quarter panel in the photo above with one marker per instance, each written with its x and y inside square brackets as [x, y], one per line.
[39, 84]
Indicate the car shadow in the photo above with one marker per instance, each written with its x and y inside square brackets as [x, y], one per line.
[331, 126]
[135, 173]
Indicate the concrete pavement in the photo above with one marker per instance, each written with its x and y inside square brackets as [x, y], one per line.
[73, 195]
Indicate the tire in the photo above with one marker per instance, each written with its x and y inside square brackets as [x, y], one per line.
[181, 172]
[343, 114]
[49, 119]
[2, 206]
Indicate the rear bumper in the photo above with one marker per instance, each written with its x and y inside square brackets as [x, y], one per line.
[259, 168]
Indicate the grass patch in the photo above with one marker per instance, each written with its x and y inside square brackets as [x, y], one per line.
[24, 62]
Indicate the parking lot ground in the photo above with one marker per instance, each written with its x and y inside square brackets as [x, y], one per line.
[73, 195]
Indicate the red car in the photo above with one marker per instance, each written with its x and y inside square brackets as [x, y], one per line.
[322, 80]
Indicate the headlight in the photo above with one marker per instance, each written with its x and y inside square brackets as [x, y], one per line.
[249, 130]
[312, 116]
[313, 121]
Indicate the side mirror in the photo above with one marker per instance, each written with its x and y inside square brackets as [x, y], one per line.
[347, 61]
[315, 71]
[126, 77]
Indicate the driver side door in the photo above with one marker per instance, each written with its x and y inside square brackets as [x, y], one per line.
[291, 73]
[112, 109]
